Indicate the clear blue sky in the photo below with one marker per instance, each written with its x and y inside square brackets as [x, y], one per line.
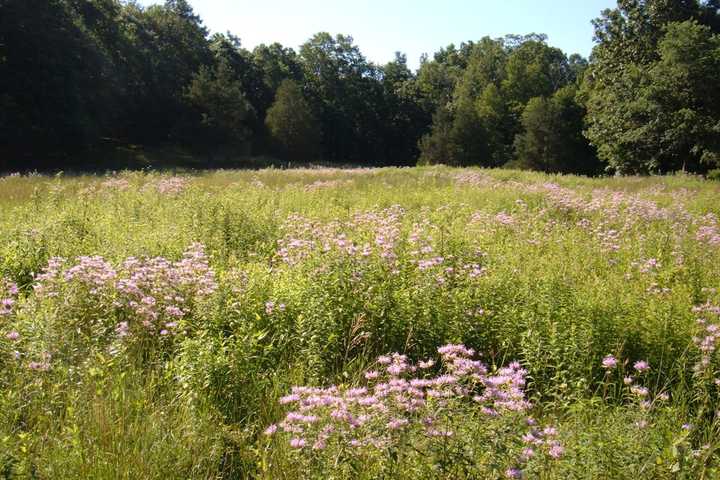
[381, 27]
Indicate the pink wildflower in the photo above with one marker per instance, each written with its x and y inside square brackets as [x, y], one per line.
[641, 366]
[556, 450]
[270, 430]
[609, 362]
[297, 442]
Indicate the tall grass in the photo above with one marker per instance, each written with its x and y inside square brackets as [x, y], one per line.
[122, 360]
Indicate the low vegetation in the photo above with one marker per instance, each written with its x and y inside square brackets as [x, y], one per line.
[393, 323]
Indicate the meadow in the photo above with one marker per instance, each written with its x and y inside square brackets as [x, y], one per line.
[393, 323]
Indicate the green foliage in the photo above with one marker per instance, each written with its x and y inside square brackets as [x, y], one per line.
[344, 90]
[56, 76]
[292, 124]
[649, 105]
[552, 139]
[489, 94]
[318, 271]
[534, 70]
[220, 99]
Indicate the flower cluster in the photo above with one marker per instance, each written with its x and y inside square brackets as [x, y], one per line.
[647, 266]
[156, 293]
[323, 184]
[41, 365]
[119, 184]
[708, 340]
[160, 293]
[8, 296]
[504, 218]
[374, 238]
[709, 230]
[401, 398]
[631, 381]
[170, 185]
[474, 179]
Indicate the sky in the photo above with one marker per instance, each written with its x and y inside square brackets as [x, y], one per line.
[382, 27]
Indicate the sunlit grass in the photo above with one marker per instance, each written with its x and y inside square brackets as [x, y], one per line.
[318, 271]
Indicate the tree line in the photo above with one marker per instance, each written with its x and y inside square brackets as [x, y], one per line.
[75, 74]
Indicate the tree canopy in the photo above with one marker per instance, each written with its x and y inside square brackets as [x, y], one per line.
[294, 130]
[649, 89]
[77, 73]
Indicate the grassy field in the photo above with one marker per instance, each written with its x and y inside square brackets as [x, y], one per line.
[359, 324]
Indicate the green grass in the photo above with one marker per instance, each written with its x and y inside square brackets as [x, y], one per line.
[573, 269]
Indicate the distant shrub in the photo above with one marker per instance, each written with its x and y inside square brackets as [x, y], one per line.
[714, 175]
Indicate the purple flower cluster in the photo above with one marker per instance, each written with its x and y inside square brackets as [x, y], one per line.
[637, 391]
[400, 399]
[171, 185]
[504, 218]
[378, 235]
[115, 184]
[155, 292]
[43, 365]
[373, 237]
[709, 231]
[474, 179]
[708, 340]
[8, 296]
[609, 362]
[649, 265]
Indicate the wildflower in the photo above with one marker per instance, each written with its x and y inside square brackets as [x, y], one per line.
[174, 311]
[527, 453]
[397, 423]
[609, 362]
[400, 402]
[556, 450]
[641, 366]
[367, 401]
[42, 366]
[628, 380]
[122, 329]
[356, 392]
[513, 473]
[290, 398]
[446, 380]
[639, 391]
[13, 336]
[297, 442]
[270, 430]
[269, 307]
